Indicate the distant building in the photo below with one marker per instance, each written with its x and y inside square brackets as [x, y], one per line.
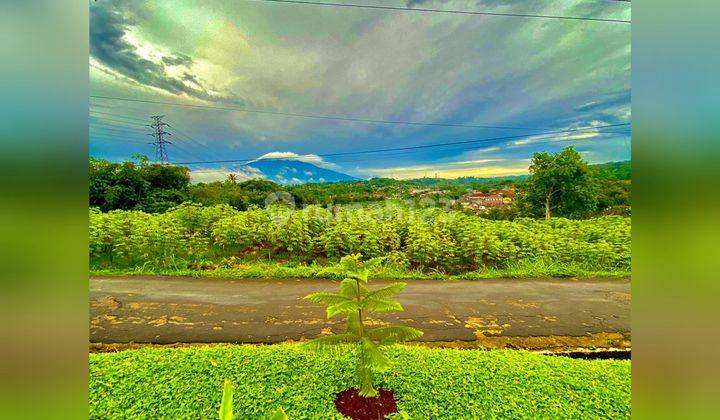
[478, 200]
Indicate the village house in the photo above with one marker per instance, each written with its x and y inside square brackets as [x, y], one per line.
[478, 200]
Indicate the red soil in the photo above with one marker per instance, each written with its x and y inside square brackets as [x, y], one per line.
[351, 404]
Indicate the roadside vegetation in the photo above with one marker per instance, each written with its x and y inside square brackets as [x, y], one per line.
[428, 383]
[414, 241]
[247, 269]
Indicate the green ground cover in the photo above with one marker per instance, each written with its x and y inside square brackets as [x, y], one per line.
[428, 383]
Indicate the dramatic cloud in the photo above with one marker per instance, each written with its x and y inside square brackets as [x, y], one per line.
[110, 47]
[290, 64]
[178, 60]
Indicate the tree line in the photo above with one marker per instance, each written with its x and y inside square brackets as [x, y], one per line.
[561, 184]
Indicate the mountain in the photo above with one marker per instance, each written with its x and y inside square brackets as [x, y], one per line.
[286, 171]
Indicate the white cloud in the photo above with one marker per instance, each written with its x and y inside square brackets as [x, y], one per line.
[589, 133]
[243, 173]
[309, 158]
[475, 162]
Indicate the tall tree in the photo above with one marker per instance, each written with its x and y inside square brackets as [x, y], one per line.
[560, 184]
[145, 186]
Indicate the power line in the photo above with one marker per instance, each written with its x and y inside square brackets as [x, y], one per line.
[116, 127]
[114, 123]
[416, 147]
[426, 10]
[131, 119]
[469, 147]
[120, 135]
[183, 150]
[354, 160]
[324, 117]
[201, 147]
[102, 122]
[114, 139]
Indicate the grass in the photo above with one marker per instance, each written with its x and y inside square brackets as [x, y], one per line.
[428, 383]
[270, 269]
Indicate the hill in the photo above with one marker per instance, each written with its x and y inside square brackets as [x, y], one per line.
[620, 171]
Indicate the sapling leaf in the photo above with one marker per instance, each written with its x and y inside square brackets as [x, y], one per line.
[387, 291]
[353, 323]
[393, 334]
[325, 298]
[343, 307]
[349, 288]
[381, 305]
[374, 358]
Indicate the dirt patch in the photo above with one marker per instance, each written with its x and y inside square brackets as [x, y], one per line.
[108, 303]
[620, 296]
[350, 403]
[484, 327]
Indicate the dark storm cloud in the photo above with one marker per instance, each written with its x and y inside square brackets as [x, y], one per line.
[191, 78]
[178, 59]
[109, 47]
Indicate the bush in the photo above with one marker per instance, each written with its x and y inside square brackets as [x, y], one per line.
[452, 242]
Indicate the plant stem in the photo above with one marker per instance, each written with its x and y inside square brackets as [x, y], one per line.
[357, 283]
[360, 327]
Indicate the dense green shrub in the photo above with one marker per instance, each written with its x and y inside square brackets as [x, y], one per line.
[452, 242]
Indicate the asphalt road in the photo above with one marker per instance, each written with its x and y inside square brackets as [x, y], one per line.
[533, 314]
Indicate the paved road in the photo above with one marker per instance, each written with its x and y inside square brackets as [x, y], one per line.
[534, 314]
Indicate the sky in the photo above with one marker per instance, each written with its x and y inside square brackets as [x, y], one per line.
[239, 67]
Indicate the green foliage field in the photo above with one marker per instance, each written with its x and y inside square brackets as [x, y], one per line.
[425, 240]
[429, 383]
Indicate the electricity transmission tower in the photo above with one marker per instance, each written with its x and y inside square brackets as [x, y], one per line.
[159, 134]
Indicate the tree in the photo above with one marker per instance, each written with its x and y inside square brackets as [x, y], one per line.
[143, 186]
[354, 301]
[115, 185]
[560, 184]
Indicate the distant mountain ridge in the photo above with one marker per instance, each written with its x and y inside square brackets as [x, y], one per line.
[292, 172]
[620, 170]
[295, 172]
